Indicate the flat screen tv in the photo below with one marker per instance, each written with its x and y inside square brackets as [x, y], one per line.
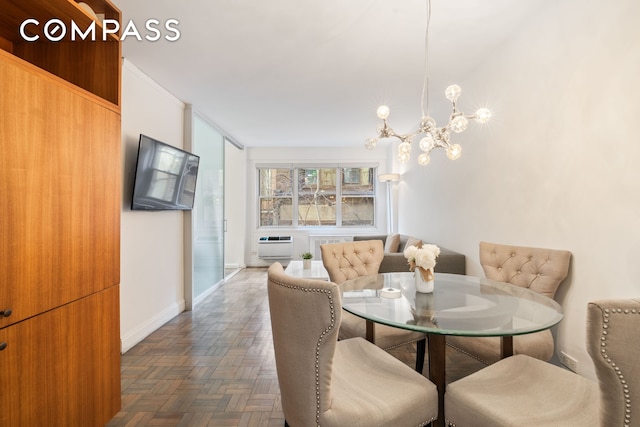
[165, 177]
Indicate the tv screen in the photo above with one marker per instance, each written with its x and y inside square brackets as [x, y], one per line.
[165, 177]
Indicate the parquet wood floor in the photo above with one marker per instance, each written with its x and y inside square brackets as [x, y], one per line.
[214, 366]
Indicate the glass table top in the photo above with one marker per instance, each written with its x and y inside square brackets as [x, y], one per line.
[459, 305]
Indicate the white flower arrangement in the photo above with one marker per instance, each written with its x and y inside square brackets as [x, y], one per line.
[423, 257]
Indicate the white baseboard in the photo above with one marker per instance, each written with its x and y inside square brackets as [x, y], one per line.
[229, 266]
[129, 340]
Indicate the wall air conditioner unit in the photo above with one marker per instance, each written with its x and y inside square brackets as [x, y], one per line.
[275, 247]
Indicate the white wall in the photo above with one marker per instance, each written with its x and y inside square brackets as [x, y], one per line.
[312, 156]
[151, 290]
[558, 165]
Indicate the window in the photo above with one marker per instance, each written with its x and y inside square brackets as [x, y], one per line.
[358, 202]
[276, 197]
[316, 196]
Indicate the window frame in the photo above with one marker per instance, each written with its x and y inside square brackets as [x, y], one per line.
[340, 182]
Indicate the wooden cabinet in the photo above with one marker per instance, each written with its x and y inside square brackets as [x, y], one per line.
[60, 172]
[59, 219]
[57, 369]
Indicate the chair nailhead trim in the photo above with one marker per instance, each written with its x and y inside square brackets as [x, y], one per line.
[320, 338]
[603, 349]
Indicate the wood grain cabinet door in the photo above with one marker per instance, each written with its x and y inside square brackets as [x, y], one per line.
[62, 368]
[61, 193]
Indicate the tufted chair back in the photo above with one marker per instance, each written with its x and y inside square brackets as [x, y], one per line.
[612, 331]
[349, 260]
[541, 270]
[304, 342]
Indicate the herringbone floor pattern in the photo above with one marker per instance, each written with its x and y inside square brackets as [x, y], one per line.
[214, 366]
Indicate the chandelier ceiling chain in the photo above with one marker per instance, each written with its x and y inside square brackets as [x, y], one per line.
[434, 137]
[425, 79]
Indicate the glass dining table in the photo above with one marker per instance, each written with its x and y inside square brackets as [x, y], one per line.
[459, 305]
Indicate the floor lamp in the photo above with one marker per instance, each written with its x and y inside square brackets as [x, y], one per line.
[389, 179]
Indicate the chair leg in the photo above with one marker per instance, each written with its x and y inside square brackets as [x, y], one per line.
[422, 345]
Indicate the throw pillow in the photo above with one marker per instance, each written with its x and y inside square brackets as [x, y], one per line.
[392, 244]
[412, 241]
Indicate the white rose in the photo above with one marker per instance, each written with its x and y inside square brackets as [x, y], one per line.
[425, 259]
[410, 252]
[435, 250]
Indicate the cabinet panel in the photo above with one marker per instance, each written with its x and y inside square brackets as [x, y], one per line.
[98, 73]
[60, 219]
[92, 63]
[62, 368]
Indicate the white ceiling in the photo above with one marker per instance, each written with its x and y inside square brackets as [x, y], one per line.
[293, 73]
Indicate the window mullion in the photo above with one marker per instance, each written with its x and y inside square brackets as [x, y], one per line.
[295, 211]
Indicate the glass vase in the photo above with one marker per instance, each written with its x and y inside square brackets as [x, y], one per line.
[424, 280]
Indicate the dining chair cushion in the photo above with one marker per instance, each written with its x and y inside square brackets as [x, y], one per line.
[385, 337]
[487, 349]
[348, 260]
[372, 388]
[521, 391]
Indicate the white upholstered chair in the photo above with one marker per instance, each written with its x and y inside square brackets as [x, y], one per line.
[523, 391]
[541, 270]
[348, 260]
[326, 382]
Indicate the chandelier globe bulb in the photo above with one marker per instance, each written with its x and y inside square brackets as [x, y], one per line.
[404, 147]
[426, 143]
[483, 115]
[453, 92]
[459, 124]
[424, 159]
[383, 112]
[454, 151]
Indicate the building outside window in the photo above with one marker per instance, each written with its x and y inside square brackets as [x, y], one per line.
[316, 197]
[276, 197]
[358, 201]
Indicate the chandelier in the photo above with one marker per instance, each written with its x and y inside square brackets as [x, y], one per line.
[434, 136]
